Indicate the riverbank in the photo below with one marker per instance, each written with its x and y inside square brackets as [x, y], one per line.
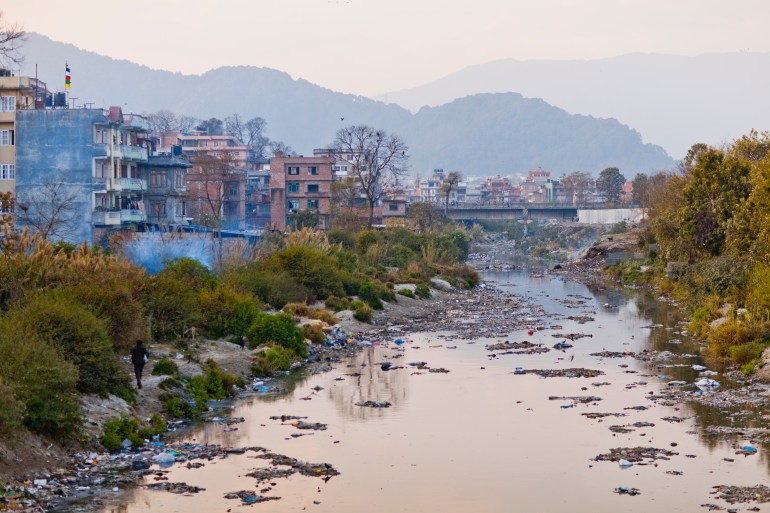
[39, 475]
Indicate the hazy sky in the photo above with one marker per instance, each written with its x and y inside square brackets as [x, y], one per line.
[369, 47]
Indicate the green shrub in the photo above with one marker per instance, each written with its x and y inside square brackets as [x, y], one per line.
[314, 333]
[177, 406]
[80, 337]
[316, 271]
[117, 430]
[280, 329]
[758, 291]
[422, 291]
[337, 303]
[225, 311]
[173, 306]
[276, 288]
[343, 237]
[274, 359]
[732, 333]
[746, 353]
[406, 292]
[363, 313]
[11, 413]
[617, 228]
[218, 383]
[165, 367]
[368, 292]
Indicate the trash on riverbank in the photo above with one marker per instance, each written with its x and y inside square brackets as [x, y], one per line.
[636, 454]
[565, 373]
[375, 404]
[625, 490]
[249, 497]
[179, 488]
[733, 494]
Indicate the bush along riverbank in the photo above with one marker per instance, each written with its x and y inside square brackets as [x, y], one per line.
[707, 245]
[69, 316]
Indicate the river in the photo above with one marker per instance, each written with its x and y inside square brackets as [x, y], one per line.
[481, 438]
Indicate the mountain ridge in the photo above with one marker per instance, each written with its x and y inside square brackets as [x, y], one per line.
[306, 115]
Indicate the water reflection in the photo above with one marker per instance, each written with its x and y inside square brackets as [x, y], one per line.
[481, 438]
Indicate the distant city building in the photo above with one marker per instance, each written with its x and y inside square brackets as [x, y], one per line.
[299, 184]
[166, 197]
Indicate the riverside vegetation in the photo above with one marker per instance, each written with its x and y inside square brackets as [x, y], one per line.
[68, 314]
[710, 222]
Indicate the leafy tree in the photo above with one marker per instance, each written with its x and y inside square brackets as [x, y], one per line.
[717, 185]
[639, 194]
[304, 219]
[375, 157]
[610, 183]
[426, 215]
[450, 182]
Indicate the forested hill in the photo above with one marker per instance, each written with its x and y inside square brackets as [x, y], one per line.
[479, 135]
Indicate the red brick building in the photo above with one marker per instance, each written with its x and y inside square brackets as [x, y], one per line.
[297, 184]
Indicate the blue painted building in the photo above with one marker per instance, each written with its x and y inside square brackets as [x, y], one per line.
[86, 159]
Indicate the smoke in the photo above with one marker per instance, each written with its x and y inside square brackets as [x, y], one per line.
[152, 250]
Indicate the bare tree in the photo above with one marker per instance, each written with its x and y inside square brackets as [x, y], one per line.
[375, 157]
[276, 146]
[250, 133]
[11, 38]
[578, 186]
[450, 182]
[166, 121]
[50, 209]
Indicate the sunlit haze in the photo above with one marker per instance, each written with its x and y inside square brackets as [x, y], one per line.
[368, 47]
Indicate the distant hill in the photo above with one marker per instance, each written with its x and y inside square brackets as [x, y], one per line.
[675, 101]
[483, 134]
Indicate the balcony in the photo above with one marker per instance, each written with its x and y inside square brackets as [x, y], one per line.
[132, 216]
[128, 184]
[125, 151]
[118, 217]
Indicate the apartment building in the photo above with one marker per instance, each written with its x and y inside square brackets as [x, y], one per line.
[16, 93]
[300, 183]
[166, 197]
[92, 158]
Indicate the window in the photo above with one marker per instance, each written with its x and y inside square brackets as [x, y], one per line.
[312, 170]
[158, 179]
[293, 170]
[293, 187]
[157, 208]
[102, 135]
[7, 103]
[7, 172]
[181, 208]
[293, 205]
[312, 187]
[312, 204]
[101, 169]
[179, 178]
[7, 138]
[233, 191]
[393, 207]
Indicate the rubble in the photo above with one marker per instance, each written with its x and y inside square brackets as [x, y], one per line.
[375, 404]
[744, 494]
[636, 454]
[565, 373]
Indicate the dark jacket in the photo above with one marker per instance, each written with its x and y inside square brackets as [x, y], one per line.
[138, 354]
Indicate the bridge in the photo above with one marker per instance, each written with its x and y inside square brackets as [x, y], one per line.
[588, 213]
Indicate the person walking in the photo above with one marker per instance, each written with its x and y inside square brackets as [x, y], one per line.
[139, 356]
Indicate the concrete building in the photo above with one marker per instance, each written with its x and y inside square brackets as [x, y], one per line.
[300, 183]
[258, 197]
[90, 157]
[166, 197]
[16, 94]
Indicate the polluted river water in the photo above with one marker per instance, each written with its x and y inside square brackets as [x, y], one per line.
[481, 437]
